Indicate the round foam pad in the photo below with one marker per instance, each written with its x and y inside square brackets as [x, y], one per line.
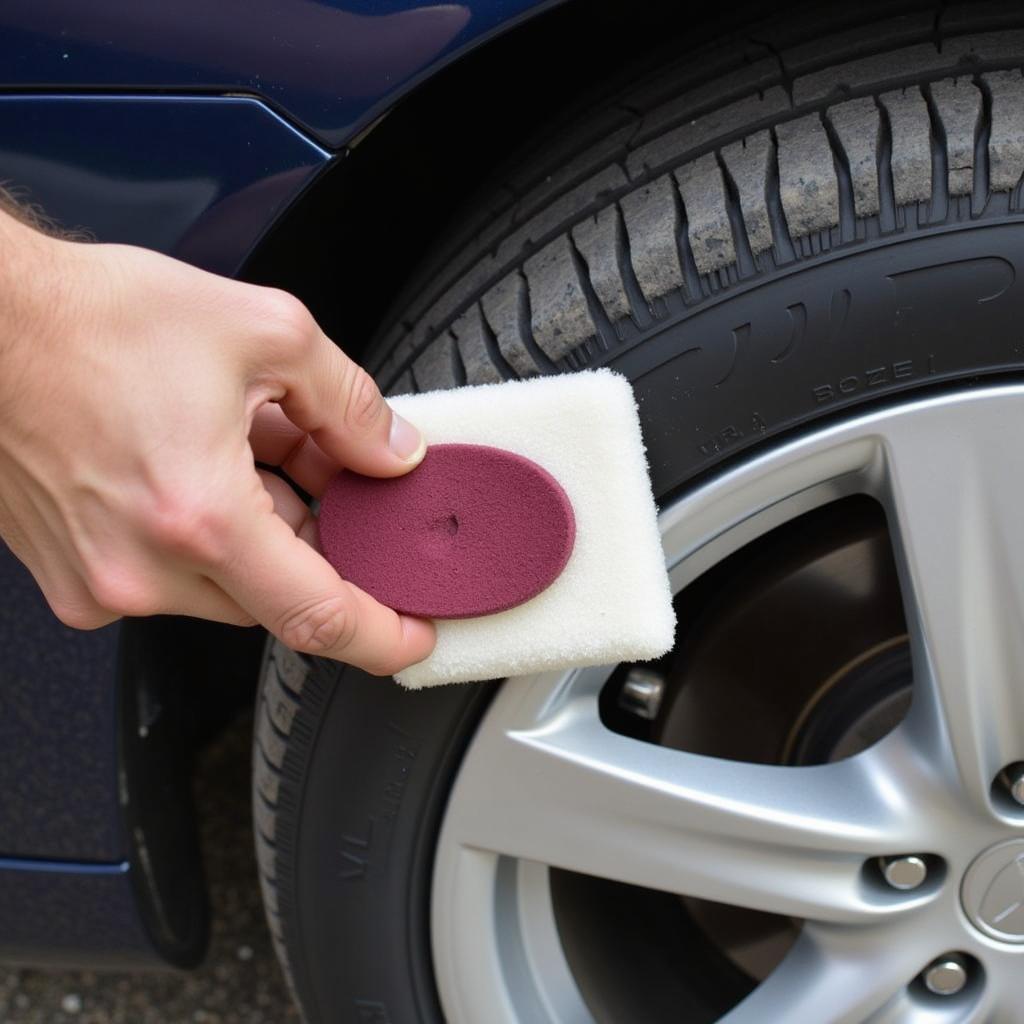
[472, 530]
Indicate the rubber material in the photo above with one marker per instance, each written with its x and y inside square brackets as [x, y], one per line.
[803, 221]
[622, 253]
[471, 531]
[306, 703]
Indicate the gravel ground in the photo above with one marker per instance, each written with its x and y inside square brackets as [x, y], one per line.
[240, 982]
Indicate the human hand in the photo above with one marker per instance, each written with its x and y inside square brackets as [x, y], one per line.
[136, 395]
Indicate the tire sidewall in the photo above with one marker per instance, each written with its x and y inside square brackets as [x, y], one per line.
[828, 339]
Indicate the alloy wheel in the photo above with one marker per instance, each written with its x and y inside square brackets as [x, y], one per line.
[547, 784]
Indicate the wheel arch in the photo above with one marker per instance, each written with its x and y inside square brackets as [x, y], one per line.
[401, 182]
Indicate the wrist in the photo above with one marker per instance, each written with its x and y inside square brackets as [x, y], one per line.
[31, 284]
[27, 257]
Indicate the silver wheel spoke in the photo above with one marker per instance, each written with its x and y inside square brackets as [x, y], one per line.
[956, 490]
[817, 983]
[572, 794]
[1000, 1015]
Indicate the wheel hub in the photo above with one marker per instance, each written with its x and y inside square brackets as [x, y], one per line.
[993, 891]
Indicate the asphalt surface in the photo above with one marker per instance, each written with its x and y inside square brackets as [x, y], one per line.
[240, 982]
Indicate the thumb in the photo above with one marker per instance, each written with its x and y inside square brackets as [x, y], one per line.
[339, 405]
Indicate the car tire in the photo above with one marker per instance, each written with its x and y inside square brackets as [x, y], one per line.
[761, 237]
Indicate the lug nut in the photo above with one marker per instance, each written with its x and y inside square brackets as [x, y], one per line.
[946, 976]
[642, 692]
[904, 873]
[1015, 782]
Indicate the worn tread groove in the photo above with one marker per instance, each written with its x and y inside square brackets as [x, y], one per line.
[273, 773]
[264, 821]
[268, 785]
[503, 309]
[458, 366]
[693, 285]
[269, 761]
[470, 334]
[281, 704]
[887, 220]
[264, 801]
[938, 207]
[857, 133]
[959, 105]
[982, 136]
[783, 249]
[434, 368]
[641, 310]
[651, 216]
[275, 731]
[844, 181]
[606, 336]
[747, 164]
[1017, 194]
[401, 385]
[595, 240]
[912, 152]
[560, 318]
[491, 344]
[741, 241]
[290, 672]
[540, 358]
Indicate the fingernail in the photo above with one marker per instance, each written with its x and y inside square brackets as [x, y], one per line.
[406, 441]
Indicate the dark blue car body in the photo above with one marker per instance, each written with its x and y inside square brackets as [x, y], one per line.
[192, 128]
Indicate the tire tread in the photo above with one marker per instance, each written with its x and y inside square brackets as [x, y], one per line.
[283, 679]
[779, 136]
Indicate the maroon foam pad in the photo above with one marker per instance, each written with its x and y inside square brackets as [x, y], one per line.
[471, 531]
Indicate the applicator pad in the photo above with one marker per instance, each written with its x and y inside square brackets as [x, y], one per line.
[477, 529]
[484, 528]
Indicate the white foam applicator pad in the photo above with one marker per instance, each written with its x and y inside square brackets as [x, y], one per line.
[612, 601]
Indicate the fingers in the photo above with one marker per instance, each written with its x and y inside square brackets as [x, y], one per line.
[276, 441]
[345, 413]
[63, 588]
[296, 594]
[337, 402]
[179, 592]
[200, 598]
[73, 600]
[72, 603]
[292, 509]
